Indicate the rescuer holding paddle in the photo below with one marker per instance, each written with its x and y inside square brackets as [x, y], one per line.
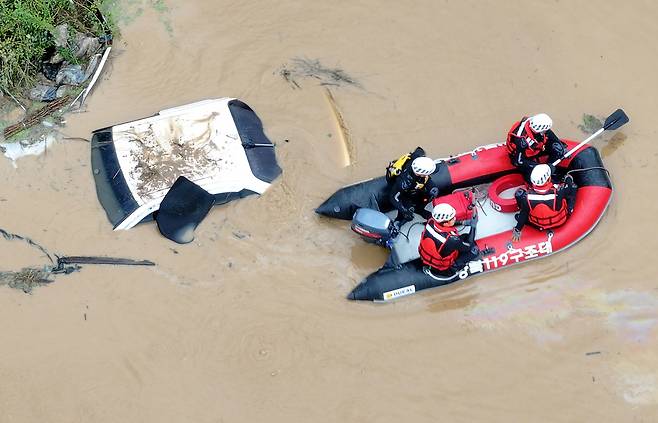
[530, 139]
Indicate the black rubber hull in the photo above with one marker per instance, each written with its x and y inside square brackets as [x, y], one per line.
[372, 193]
[382, 284]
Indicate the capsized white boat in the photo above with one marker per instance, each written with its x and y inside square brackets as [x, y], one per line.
[218, 144]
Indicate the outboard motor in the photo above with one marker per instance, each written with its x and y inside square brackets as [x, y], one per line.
[373, 226]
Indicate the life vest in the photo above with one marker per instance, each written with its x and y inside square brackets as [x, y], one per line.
[396, 167]
[433, 242]
[545, 212]
[521, 130]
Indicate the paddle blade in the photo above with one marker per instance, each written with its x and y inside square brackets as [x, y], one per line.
[615, 120]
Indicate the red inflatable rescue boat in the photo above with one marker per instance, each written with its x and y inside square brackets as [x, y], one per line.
[481, 181]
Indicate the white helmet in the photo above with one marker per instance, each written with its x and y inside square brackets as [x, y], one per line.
[541, 123]
[423, 166]
[443, 212]
[540, 174]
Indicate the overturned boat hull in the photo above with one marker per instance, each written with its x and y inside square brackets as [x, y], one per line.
[218, 144]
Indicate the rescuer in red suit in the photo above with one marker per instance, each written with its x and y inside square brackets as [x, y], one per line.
[544, 205]
[530, 140]
[441, 246]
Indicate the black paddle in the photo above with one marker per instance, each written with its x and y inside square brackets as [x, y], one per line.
[616, 120]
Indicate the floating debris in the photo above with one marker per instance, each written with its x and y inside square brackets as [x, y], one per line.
[302, 68]
[590, 124]
[37, 117]
[38, 142]
[160, 160]
[347, 147]
[241, 234]
[30, 277]
[62, 261]
[27, 278]
[14, 237]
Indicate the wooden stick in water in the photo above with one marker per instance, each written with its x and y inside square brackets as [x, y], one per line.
[347, 147]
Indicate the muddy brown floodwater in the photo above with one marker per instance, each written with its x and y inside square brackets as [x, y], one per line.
[249, 322]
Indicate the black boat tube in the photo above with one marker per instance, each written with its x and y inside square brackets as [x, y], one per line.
[373, 194]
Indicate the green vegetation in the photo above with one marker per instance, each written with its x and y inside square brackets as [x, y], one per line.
[124, 12]
[590, 124]
[27, 32]
[44, 47]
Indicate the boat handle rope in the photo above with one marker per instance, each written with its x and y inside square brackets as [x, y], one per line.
[589, 168]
